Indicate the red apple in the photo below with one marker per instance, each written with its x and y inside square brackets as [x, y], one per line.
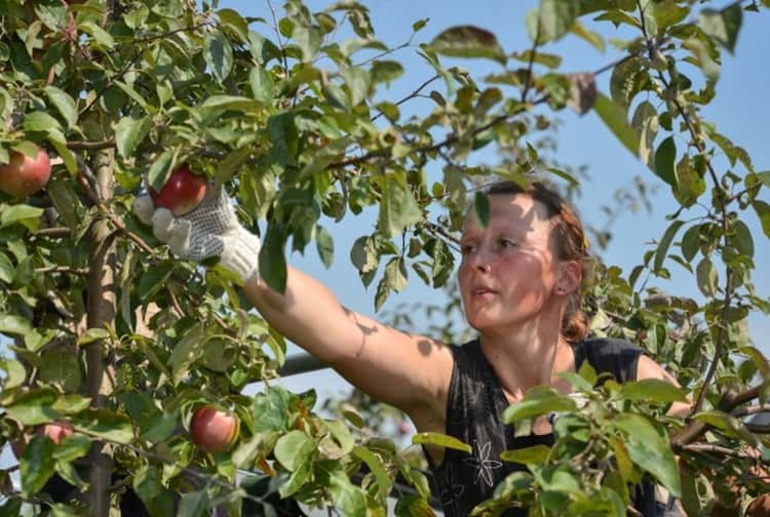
[212, 430]
[25, 175]
[182, 192]
[58, 431]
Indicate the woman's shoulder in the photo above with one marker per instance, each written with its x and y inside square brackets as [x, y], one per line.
[615, 356]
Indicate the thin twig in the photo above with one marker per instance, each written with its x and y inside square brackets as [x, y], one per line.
[106, 211]
[412, 95]
[62, 269]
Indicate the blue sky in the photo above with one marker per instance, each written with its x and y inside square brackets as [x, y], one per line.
[740, 112]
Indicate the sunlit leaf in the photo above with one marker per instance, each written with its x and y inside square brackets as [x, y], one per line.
[440, 440]
[218, 53]
[64, 104]
[528, 455]
[648, 447]
[293, 449]
[552, 20]
[614, 117]
[129, 133]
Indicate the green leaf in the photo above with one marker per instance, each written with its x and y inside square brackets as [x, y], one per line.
[64, 104]
[469, 42]
[654, 390]
[481, 208]
[665, 155]
[440, 440]
[377, 467]
[723, 25]
[536, 454]
[219, 103]
[541, 58]
[629, 77]
[706, 276]
[539, 404]
[552, 20]
[690, 185]
[309, 40]
[763, 212]
[588, 35]
[218, 54]
[272, 261]
[398, 208]
[347, 497]
[648, 447]
[261, 83]
[614, 117]
[66, 202]
[411, 505]
[668, 13]
[104, 423]
[93, 334]
[395, 274]
[665, 243]
[37, 465]
[160, 170]
[33, 407]
[386, 71]
[271, 410]
[14, 325]
[100, 36]
[325, 245]
[357, 81]
[40, 121]
[15, 374]
[187, 351]
[293, 449]
[194, 504]
[691, 242]
[646, 122]
[62, 368]
[742, 240]
[129, 133]
[6, 269]
[25, 215]
[284, 137]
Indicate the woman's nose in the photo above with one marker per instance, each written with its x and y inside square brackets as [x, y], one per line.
[479, 259]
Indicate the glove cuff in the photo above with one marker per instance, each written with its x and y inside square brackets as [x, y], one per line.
[241, 253]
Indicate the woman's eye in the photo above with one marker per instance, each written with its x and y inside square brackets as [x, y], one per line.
[466, 248]
[506, 243]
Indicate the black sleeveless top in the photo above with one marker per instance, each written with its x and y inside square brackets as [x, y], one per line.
[475, 406]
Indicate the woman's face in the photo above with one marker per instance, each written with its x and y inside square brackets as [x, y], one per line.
[508, 271]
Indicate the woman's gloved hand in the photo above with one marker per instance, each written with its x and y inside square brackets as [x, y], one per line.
[210, 230]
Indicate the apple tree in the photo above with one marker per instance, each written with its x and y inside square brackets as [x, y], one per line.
[114, 345]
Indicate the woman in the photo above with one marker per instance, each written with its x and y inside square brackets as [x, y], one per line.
[519, 279]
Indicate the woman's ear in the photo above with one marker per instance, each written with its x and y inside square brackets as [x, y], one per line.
[570, 276]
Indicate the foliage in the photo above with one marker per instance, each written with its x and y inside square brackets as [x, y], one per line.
[292, 116]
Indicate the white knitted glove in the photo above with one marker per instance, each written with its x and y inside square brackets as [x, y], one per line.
[211, 230]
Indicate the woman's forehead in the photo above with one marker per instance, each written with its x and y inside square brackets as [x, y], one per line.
[514, 209]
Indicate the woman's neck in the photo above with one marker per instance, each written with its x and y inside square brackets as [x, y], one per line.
[528, 358]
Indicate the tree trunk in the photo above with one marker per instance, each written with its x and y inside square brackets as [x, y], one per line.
[101, 312]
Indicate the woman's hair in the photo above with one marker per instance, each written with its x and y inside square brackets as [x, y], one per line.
[568, 241]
